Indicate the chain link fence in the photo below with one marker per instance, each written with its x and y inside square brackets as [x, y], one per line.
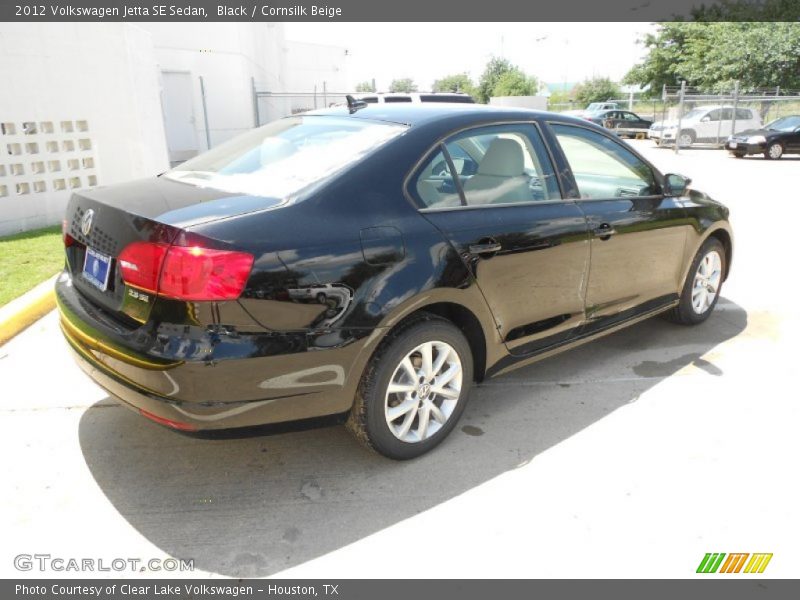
[268, 105]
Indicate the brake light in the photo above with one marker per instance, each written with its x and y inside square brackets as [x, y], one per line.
[140, 264]
[68, 239]
[191, 273]
[194, 273]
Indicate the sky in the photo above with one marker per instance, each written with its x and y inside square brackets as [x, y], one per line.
[553, 52]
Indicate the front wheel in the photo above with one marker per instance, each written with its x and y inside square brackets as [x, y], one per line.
[703, 284]
[739, 154]
[414, 389]
[686, 138]
[774, 151]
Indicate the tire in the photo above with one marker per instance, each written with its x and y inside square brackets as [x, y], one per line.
[369, 420]
[739, 154]
[695, 305]
[774, 151]
[685, 138]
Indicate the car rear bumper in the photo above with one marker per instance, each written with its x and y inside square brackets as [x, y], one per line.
[253, 379]
[745, 148]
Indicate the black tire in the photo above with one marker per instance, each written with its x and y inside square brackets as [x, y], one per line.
[774, 151]
[684, 313]
[367, 418]
[739, 154]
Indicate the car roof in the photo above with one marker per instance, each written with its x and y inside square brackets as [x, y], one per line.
[417, 114]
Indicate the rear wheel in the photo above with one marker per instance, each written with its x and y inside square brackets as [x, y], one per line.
[701, 291]
[739, 154]
[774, 151]
[414, 389]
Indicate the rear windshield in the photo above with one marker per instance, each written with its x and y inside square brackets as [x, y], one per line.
[285, 156]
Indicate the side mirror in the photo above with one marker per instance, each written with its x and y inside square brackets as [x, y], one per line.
[676, 185]
[705, 119]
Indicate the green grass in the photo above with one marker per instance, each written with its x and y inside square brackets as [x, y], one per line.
[27, 259]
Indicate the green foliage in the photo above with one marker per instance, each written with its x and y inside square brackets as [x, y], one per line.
[365, 86]
[596, 89]
[711, 56]
[403, 85]
[460, 82]
[747, 10]
[516, 83]
[501, 78]
[491, 75]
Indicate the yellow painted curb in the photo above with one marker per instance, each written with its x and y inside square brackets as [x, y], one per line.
[26, 310]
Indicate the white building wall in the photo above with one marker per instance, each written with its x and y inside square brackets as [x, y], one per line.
[92, 93]
[229, 57]
[107, 78]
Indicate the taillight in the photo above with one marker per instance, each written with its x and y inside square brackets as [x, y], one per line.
[140, 264]
[194, 273]
[191, 273]
[68, 239]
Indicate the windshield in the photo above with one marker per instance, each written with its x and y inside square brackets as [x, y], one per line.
[695, 113]
[784, 124]
[285, 156]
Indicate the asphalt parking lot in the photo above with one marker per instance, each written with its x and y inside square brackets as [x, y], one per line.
[630, 457]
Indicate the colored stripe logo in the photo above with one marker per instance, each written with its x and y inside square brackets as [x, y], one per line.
[714, 562]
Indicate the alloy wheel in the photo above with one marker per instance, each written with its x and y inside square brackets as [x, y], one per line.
[775, 151]
[706, 282]
[423, 391]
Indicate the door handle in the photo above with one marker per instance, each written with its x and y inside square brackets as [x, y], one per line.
[487, 248]
[604, 231]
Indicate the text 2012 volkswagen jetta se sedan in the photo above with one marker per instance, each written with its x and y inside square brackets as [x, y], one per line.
[375, 261]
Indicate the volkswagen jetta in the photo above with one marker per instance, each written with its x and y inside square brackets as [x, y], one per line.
[374, 262]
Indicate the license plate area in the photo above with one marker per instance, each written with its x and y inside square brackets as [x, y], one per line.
[732, 144]
[96, 268]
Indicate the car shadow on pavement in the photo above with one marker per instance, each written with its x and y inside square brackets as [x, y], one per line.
[254, 505]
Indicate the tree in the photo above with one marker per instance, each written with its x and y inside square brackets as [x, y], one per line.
[403, 85]
[460, 82]
[596, 89]
[365, 86]
[712, 56]
[491, 75]
[516, 83]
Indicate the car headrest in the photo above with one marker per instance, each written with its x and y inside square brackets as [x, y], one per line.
[504, 158]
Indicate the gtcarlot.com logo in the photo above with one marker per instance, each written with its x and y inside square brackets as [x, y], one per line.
[734, 563]
[47, 562]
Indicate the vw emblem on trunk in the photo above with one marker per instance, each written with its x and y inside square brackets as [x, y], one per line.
[86, 222]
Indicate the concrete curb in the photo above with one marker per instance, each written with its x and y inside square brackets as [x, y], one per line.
[27, 309]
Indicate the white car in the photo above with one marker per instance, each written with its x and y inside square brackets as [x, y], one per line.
[708, 124]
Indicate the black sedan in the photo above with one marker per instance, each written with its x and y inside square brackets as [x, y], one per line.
[781, 136]
[373, 262]
[623, 122]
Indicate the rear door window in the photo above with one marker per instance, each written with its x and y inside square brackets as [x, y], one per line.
[496, 165]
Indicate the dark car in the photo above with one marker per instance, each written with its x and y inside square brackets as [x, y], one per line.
[781, 136]
[374, 263]
[622, 121]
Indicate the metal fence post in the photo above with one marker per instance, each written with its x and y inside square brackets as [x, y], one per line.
[256, 118]
[680, 115]
[325, 94]
[735, 105]
[205, 112]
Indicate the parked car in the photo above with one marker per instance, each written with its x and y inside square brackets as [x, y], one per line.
[373, 262]
[600, 106]
[416, 97]
[779, 137]
[708, 124]
[623, 121]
